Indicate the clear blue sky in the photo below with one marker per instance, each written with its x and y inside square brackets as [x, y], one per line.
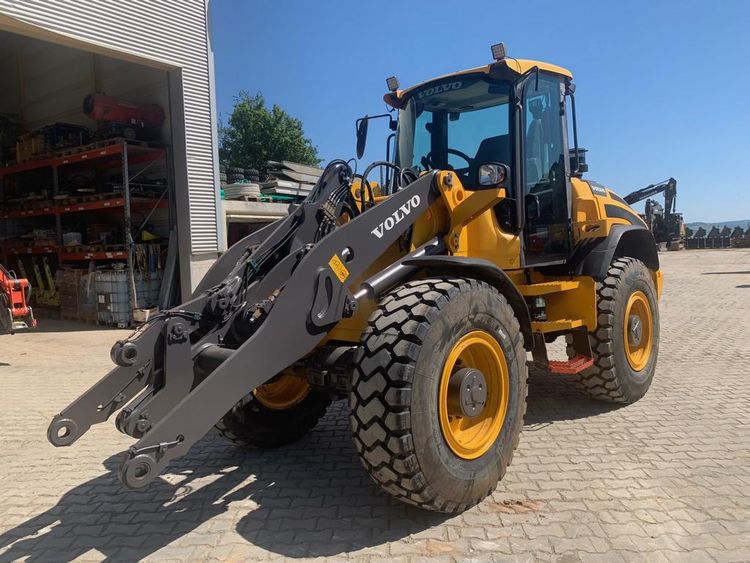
[663, 87]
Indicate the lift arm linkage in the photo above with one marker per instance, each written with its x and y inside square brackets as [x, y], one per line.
[282, 296]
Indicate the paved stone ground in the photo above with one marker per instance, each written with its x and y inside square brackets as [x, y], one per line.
[665, 479]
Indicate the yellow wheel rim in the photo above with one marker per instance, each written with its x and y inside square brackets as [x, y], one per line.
[470, 437]
[283, 393]
[638, 330]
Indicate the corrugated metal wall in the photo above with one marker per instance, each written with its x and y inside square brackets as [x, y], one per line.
[173, 32]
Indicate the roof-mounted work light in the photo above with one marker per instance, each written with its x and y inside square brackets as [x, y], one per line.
[498, 51]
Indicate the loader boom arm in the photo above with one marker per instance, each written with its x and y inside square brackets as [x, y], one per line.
[193, 363]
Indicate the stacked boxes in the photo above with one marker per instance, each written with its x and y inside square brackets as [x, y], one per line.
[67, 281]
[29, 145]
[77, 294]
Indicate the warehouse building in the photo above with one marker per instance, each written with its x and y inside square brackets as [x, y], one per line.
[108, 149]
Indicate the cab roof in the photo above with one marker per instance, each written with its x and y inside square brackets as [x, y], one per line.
[518, 66]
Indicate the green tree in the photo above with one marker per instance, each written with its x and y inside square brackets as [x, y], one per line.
[254, 134]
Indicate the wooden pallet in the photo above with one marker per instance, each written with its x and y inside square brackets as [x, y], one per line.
[30, 205]
[118, 140]
[70, 151]
[87, 198]
[39, 156]
[77, 248]
[46, 243]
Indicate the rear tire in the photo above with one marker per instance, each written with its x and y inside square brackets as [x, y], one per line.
[398, 399]
[620, 374]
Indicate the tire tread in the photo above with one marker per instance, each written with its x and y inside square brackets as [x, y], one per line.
[393, 339]
[602, 380]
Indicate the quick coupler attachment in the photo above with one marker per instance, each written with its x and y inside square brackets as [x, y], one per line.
[135, 366]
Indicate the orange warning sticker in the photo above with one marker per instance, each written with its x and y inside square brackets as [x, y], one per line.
[338, 268]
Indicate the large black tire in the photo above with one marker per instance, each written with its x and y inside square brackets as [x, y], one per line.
[394, 402]
[612, 377]
[251, 424]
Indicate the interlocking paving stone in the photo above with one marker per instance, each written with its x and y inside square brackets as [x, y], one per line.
[665, 479]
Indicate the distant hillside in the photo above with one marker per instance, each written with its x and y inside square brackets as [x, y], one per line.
[744, 223]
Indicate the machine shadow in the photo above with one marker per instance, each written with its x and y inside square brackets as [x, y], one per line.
[336, 509]
[555, 398]
[122, 524]
[318, 500]
[726, 273]
[285, 494]
[309, 499]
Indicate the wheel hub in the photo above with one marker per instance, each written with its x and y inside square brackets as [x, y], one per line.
[284, 392]
[473, 395]
[638, 329]
[635, 330]
[470, 387]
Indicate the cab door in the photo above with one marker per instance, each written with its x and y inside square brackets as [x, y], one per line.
[545, 178]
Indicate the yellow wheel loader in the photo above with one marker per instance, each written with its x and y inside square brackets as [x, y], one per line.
[417, 297]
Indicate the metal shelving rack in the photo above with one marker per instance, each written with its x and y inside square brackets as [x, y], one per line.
[117, 152]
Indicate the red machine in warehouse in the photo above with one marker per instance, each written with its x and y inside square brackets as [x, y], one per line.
[122, 118]
[15, 313]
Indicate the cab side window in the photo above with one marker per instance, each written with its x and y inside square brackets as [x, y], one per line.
[544, 139]
[545, 184]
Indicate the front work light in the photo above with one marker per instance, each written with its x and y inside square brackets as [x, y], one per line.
[392, 83]
[498, 51]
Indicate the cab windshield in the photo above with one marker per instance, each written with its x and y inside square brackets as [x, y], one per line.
[457, 125]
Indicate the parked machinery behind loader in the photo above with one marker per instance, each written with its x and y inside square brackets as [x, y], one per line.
[417, 299]
[15, 312]
[665, 223]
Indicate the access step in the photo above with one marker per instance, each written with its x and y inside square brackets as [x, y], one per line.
[545, 288]
[572, 366]
[557, 325]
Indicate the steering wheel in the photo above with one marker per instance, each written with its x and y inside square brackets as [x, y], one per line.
[428, 164]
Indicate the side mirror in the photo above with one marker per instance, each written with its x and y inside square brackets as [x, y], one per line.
[492, 174]
[362, 125]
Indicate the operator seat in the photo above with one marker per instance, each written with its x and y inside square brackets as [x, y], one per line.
[491, 149]
[497, 149]
[494, 149]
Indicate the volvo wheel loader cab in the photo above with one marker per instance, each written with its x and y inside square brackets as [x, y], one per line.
[418, 298]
